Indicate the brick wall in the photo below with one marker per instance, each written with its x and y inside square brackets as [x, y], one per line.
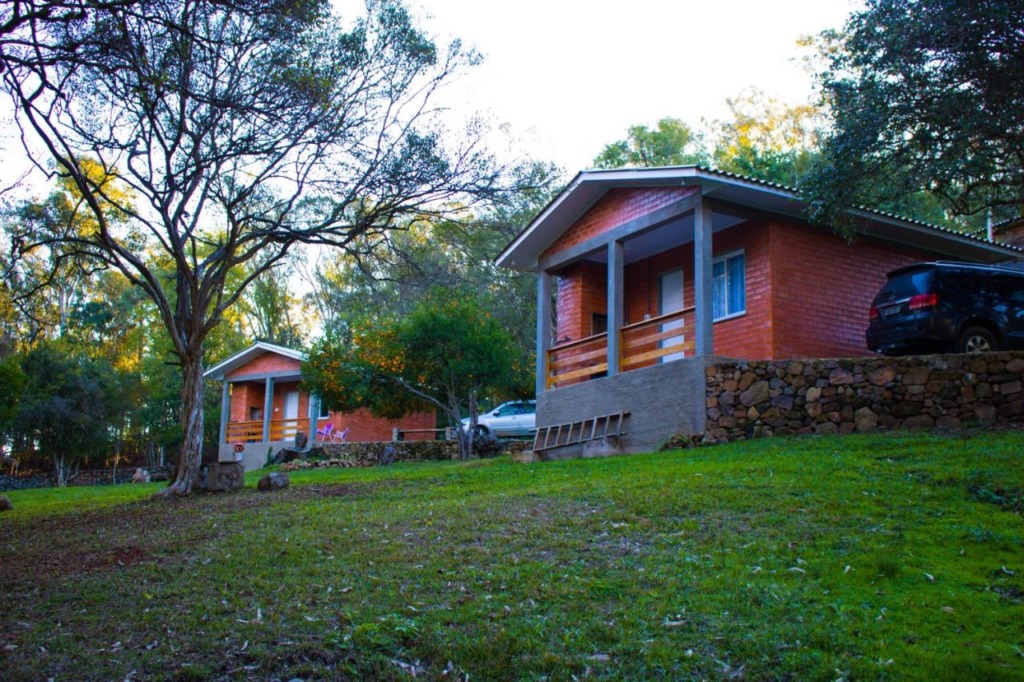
[617, 206]
[364, 427]
[582, 292]
[244, 396]
[266, 363]
[822, 287]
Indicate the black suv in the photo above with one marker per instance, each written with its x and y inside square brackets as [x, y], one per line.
[948, 307]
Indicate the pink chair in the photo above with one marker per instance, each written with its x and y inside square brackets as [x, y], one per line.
[339, 436]
[326, 433]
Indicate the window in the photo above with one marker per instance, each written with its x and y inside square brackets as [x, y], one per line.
[729, 286]
[322, 411]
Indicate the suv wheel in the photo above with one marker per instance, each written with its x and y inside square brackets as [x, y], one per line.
[977, 340]
[482, 431]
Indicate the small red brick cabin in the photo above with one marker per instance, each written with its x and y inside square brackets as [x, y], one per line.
[1011, 232]
[646, 266]
[263, 407]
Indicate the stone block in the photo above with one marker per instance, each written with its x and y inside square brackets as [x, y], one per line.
[757, 392]
[865, 419]
[840, 377]
[1010, 387]
[916, 376]
[1016, 365]
[907, 408]
[275, 480]
[882, 376]
[985, 412]
[921, 421]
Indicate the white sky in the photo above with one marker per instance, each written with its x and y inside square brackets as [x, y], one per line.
[566, 77]
[562, 78]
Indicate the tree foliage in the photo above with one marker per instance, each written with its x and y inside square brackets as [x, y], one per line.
[447, 353]
[65, 409]
[48, 280]
[762, 138]
[241, 129]
[670, 143]
[767, 139]
[391, 274]
[926, 95]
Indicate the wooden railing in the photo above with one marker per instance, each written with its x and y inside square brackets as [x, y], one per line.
[644, 343]
[577, 360]
[245, 432]
[640, 344]
[252, 431]
[284, 429]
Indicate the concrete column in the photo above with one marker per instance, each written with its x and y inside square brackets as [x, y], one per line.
[268, 408]
[314, 410]
[543, 329]
[702, 284]
[225, 411]
[616, 268]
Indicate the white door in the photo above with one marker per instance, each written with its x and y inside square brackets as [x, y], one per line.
[291, 413]
[670, 300]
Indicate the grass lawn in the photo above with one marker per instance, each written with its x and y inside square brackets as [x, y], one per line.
[863, 557]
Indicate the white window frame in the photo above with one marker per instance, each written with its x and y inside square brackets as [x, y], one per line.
[321, 409]
[721, 259]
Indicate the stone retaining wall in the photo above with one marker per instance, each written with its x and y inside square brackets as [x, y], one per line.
[373, 454]
[370, 454]
[749, 399]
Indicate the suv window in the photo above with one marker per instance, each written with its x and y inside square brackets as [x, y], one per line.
[910, 283]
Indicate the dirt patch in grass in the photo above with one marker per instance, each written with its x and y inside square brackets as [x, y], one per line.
[126, 535]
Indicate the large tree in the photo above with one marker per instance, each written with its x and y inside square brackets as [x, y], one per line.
[242, 129]
[925, 95]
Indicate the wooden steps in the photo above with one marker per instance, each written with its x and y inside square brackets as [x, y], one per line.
[574, 433]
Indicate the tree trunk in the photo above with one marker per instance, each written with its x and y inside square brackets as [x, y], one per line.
[192, 428]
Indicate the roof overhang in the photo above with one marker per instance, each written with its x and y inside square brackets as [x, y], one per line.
[587, 188]
[242, 358]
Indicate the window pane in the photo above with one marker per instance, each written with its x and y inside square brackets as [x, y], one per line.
[718, 290]
[737, 284]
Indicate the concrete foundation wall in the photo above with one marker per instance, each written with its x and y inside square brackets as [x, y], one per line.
[663, 401]
[253, 455]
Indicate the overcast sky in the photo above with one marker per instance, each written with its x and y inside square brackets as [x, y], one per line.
[566, 77]
[562, 78]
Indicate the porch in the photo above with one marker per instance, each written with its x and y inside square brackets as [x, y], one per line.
[266, 409]
[641, 344]
[280, 430]
[642, 291]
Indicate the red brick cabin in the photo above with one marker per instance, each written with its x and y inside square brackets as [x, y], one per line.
[263, 407]
[1010, 232]
[641, 267]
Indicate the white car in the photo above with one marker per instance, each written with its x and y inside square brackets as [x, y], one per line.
[514, 419]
